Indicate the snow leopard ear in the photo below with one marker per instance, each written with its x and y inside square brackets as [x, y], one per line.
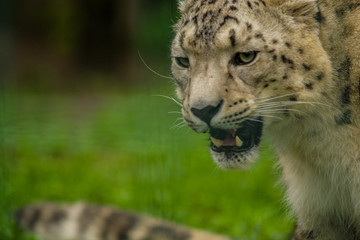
[304, 11]
[185, 5]
[182, 6]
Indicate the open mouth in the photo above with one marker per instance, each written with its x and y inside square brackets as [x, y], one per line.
[237, 140]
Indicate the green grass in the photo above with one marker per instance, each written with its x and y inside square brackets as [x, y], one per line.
[122, 149]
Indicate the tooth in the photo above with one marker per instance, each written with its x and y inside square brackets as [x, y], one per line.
[239, 143]
[216, 142]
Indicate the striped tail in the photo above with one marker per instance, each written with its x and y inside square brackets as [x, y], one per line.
[83, 221]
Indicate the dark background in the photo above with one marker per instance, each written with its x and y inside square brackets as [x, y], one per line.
[62, 44]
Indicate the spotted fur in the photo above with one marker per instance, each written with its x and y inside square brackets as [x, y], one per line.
[304, 85]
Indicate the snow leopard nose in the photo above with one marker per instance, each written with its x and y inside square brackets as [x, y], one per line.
[208, 112]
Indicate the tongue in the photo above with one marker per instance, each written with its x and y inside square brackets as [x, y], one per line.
[230, 139]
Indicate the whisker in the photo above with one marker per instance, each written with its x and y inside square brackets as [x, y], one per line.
[274, 111]
[179, 125]
[174, 112]
[316, 103]
[265, 99]
[270, 116]
[281, 103]
[153, 71]
[275, 104]
[178, 119]
[170, 98]
[279, 110]
[215, 171]
[270, 107]
[288, 103]
[254, 120]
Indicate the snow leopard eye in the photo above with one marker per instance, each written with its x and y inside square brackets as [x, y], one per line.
[244, 58]
[182, 62]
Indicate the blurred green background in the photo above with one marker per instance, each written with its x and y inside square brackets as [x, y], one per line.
[81, 119]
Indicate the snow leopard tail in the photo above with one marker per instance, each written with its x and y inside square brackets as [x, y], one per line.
[82, 221]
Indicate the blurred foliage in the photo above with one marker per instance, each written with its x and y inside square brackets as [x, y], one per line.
[156, 27]
[124, 149]
[68, 37]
